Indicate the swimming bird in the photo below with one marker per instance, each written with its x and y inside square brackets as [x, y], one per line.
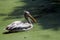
[22, 26]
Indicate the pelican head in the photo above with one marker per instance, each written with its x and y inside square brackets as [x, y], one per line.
[27, 14]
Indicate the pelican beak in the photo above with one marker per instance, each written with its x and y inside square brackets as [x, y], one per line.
[33, 19]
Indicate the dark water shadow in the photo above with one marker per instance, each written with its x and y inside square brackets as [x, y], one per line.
[50, 21]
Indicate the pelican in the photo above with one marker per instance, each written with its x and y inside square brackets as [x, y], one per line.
[21, 26]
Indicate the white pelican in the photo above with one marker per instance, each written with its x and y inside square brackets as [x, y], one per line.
[21, 26]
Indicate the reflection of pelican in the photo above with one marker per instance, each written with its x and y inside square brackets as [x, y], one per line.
[21, 26]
